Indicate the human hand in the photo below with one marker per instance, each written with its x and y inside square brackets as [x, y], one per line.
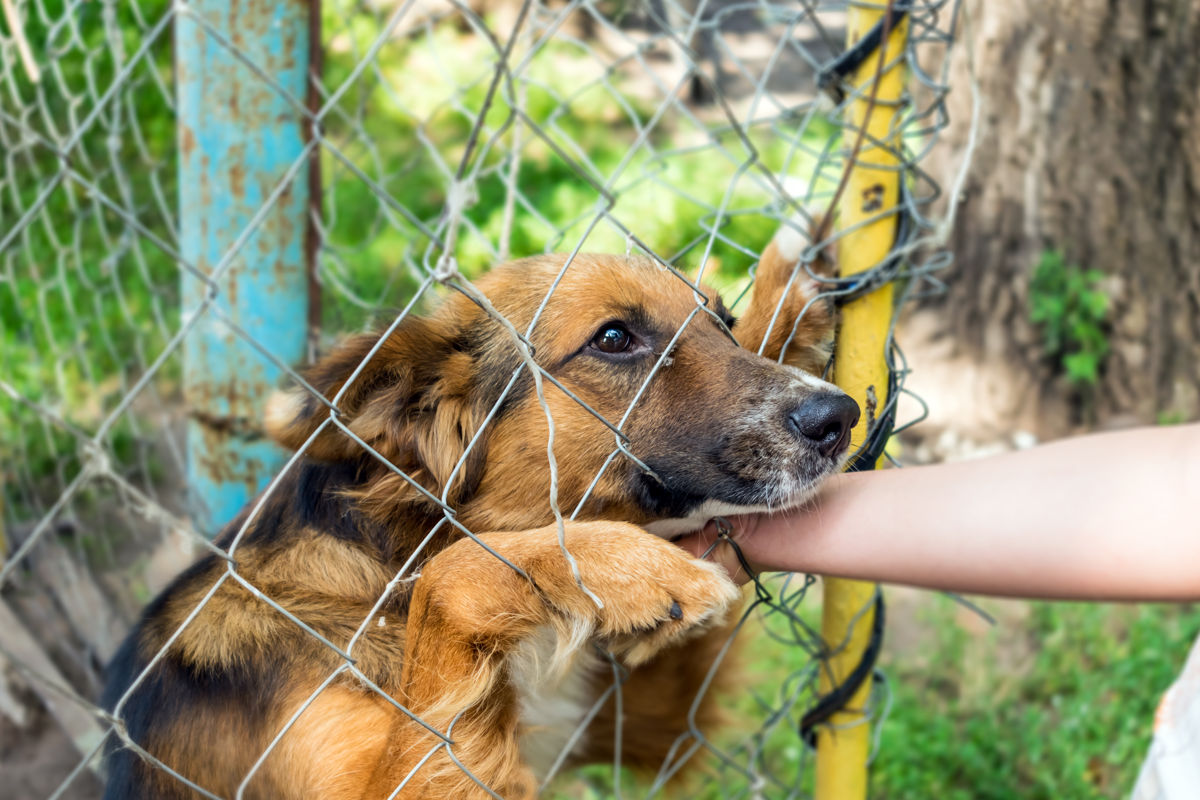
[726, 541]
[800, 539]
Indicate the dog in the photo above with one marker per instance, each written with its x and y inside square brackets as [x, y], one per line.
[476, 656]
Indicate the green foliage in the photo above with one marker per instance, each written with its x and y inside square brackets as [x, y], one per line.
[85, 303]
[580, 146]
[1069, 305]
[1058, 705]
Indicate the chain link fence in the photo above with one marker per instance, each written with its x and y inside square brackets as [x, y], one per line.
[447, 138]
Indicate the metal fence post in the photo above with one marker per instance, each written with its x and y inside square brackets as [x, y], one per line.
[239, 139]
[872, 188]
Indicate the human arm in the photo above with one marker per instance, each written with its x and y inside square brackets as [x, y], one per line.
[1106, 517]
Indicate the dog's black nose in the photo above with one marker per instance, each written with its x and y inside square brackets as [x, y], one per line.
[825, 420]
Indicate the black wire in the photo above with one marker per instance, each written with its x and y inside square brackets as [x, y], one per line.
[832, 76]
[834, 701]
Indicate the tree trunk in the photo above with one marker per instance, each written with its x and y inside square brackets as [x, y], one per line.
[1089, 143]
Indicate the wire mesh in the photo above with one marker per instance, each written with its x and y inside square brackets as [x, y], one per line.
[451, 137]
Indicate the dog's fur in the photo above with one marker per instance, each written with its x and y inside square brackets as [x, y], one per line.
[502, 664]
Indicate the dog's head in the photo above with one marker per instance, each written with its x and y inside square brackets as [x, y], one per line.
[707, 426]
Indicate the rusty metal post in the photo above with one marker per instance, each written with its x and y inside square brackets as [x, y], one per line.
[239, 140]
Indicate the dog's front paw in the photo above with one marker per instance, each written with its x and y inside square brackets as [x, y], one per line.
[697, 595]
[653, 594]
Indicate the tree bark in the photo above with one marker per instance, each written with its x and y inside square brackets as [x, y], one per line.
[1089, 143]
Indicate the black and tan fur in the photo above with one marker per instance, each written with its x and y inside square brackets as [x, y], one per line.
[459, 645]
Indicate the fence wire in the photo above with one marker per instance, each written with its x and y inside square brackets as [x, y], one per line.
[451, 137]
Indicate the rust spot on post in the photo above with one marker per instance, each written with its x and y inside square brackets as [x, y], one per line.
[187, 141]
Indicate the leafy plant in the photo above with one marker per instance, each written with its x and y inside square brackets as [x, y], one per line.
[1069, 305]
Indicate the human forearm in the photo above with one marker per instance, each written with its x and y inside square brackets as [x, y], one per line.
[1099, 517]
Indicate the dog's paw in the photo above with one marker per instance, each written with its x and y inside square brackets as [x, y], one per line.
[651, 593]
[698, 596]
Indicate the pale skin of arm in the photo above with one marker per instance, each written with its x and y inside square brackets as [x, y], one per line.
[1112, 516]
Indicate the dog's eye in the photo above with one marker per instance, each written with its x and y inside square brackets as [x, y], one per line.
[612, 338]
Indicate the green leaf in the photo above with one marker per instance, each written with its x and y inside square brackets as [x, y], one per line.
[1069, 307]
[1081, 367]
[1096, 302]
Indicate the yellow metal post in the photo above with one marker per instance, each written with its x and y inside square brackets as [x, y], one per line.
[873, 186]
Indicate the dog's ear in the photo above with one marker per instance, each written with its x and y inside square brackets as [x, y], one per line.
[804, 322]
[416, 401]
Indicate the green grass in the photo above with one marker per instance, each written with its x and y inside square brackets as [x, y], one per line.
[1068, 716]
[85, 304]
[1054, 704]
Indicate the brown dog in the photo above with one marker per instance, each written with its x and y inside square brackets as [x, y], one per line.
[469, 672]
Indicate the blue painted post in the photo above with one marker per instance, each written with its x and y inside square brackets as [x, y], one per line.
[238, 140]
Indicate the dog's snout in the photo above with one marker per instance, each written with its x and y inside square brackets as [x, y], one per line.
[825, 420]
